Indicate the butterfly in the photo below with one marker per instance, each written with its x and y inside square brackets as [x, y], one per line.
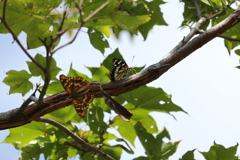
[114, 105]
[119, 69]
[76, 87]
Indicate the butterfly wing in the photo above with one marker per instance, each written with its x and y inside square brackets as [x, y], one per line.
[77, 90]
[119, 70]
[73, 85]
[81, 103]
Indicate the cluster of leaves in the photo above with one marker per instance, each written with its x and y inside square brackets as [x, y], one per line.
[39, 22]
[94, 128]
[216, 11]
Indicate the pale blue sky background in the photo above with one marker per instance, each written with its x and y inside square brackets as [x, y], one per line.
[205, 84]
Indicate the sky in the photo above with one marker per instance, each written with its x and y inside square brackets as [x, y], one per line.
[205, 84]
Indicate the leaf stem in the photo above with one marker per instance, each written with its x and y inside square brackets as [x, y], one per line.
[82, 23]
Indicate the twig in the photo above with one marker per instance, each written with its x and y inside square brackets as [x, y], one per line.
[229, 38]
[78, 139]
[114, 105]
[26, 103]
[3, 20]
[82, 23]
[74, 145]
[197, 8]
[224, 9]
[194, 30]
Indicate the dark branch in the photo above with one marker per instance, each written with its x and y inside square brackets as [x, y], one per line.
[197, 8]
[78, 139]
[229, 38]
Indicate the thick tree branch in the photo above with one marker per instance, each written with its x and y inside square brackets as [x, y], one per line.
[78, 139]
[149, 74]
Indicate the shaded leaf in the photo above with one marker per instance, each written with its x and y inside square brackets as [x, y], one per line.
[97, 40]
[219, 152]
[189, 155]
[155, 148]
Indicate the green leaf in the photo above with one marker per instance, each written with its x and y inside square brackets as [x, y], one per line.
[31, 151]
[155, 148]
[219, 152]
[237, 51]
[18, 81]
[108, 61]
[128, 150]
[32, 18]
[128, 22]
[97, 40]
[113, 151]
[74, 73]
[25, 133]
[36, 71]
[126, 129]
[17, 16]
[152, 8]
[142, 115]
[94, 119]
[141, 158]
[100, 74]
[54, 87]
[189, 155]
[150, 98]
[62, 115]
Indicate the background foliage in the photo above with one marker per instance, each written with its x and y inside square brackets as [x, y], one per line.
[42, 26]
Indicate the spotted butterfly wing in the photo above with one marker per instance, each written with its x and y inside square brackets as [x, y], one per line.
[80, 96]
[119, 70]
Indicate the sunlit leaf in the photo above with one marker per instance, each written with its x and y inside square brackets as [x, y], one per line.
[25, 133]
[18, 81]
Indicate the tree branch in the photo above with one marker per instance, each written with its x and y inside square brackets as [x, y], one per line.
[229, 38]
[78, 139]
[3, 20]
[82, 23]
[199, 13]
[224, 9]
[149, 74]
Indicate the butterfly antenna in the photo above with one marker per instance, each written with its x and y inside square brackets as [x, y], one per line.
[132, 60]
[133, 71]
